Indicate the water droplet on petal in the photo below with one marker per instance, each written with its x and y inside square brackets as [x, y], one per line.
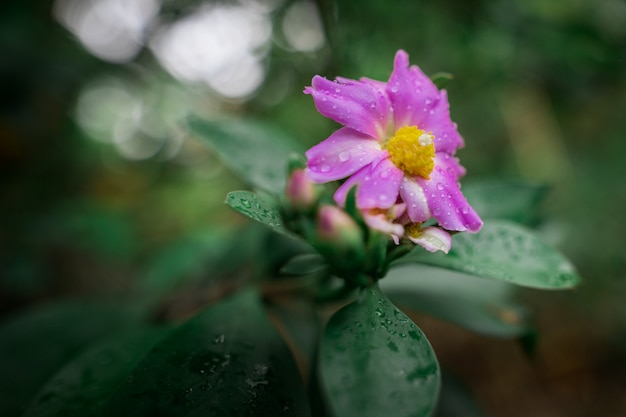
[439, 186]
[325, 168]
[344, 156]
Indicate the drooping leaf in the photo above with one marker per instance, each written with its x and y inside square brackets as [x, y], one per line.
[226, 361]
[255, 151]
[256, 208]
[35, 344]
[84, 385]
[375, 361]
[508, 200]
[506, 251]
[481, 305]
[176, 262]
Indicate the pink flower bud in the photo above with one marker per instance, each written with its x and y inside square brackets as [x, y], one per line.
[301, 191]
[339, 239]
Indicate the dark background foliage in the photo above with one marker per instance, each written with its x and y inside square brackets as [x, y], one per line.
[103, 192]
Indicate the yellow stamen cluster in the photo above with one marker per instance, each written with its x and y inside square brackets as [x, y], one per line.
[412, 150]
[413, 230]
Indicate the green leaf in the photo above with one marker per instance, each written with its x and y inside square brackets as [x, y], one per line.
[441, 79]
[251, 149]
[508, 200]
[375, 361]
[305, 264]
[257, 208]
[477, 304]
[178, 261]
[506, 251]
[226, 361]
[86, 384]
[35, 344]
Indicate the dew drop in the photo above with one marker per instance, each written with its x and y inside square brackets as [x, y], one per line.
[439, 186]
[245, 203]
[344, 156]
[394, 89]
[325, 168]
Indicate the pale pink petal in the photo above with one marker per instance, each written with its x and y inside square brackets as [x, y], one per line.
[341, 155]
[416, 204]
[433, 239]
[382, 224]
[411, 92]
[356, 105]
[438, 122]
[447, 204]
[377, 183]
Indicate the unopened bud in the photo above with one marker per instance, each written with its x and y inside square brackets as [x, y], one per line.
[302, 193]
[339, 238]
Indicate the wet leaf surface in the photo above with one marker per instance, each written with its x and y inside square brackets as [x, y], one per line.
[506, 251]
[226, 361]
[374, 360]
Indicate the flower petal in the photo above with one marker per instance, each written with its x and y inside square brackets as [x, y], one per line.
[439, 123]
[378, 185]
[354, 104]
[433, 239]
[411, 92]
[449, 164]
[382, 224]
[413, 196]
[447, 204]
[341, 155]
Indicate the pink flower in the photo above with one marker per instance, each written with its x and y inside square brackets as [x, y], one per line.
[397, 144]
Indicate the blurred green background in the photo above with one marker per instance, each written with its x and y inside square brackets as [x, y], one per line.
[103, 188]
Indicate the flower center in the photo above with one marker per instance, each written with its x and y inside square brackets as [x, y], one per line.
[412, 150]
[413, 230]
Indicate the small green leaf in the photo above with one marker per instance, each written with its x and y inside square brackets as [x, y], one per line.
[441, 79]
[226, 361]
[506, 251]
[477, 304]
[252, 149]
[508, 200]
[256, 208]
[35, 344]
[375, 361]
[86, 384]
[305, 264]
